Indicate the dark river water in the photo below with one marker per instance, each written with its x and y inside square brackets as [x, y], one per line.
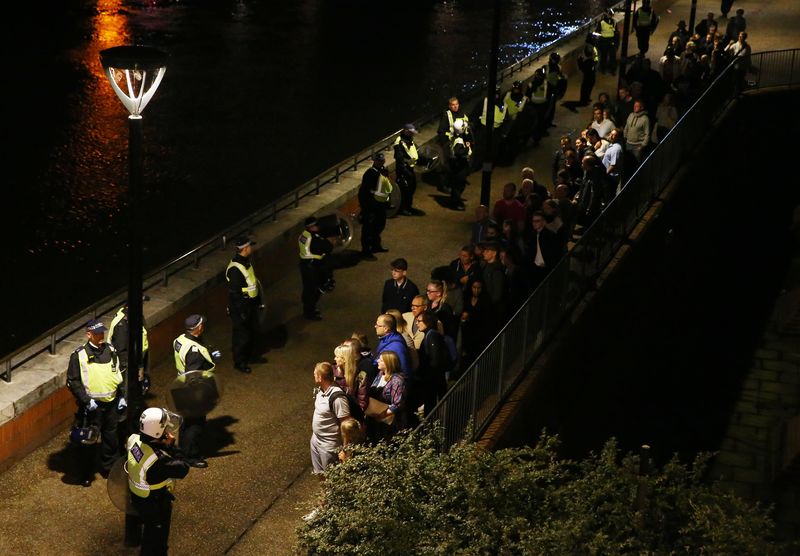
[258, 97]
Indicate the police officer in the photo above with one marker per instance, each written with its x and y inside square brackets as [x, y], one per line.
[446, 131]
[587, 63]
[460, 161]
[244, 304]
[607, 43]
[315, 271]
[645, 22]
[94, 378]
[118, 338]
[405, 159]
[539, 99]
[192, 354]
[515, 100]
[374, 195]
[152, 471]
[556, 85]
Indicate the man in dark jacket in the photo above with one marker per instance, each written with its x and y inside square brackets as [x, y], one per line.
[398, 291]
[543, 251]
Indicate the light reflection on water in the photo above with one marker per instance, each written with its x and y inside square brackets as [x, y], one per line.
[258, 97]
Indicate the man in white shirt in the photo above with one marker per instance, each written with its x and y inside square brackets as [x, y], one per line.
[601, 124]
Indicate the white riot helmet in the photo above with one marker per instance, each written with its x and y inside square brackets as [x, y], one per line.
[460, 127]
[154, 421]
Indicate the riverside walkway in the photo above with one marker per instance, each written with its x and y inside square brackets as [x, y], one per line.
[258, 483]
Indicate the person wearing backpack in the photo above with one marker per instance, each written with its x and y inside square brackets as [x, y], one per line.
[326, 441]
[435, 361]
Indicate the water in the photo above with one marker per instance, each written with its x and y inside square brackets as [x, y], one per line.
[258, 97]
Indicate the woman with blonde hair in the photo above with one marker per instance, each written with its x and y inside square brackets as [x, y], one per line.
[347, 375]
[402, 329]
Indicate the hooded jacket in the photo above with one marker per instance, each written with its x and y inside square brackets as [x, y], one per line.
[637, 128]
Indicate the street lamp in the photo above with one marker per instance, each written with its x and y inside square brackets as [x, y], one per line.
[135, 73]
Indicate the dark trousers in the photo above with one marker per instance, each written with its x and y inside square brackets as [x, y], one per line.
[191, 431]
[407, 182]
[106, 419]
[587, 85]
[155, 512]
[245, 328]
[643, 39]
[607, 51]
[373, 224]
[312, 281]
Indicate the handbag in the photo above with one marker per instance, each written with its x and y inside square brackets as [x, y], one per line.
[376, 407]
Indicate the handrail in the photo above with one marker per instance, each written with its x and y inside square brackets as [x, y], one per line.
[49, 340]
[477, 395]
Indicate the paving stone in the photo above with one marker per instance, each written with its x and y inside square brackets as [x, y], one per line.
[767, 354]
[775, 387]
[750, 476]
[764, 374]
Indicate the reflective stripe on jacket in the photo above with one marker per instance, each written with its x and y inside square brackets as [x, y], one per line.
[99, 379]
[304, 245]
[140, 458]
[411, 151]
[251, 289]
[181, 347]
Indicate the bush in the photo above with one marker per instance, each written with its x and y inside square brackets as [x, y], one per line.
[408, 497]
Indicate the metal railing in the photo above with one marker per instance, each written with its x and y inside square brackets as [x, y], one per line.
[49, 340]
[478, 394]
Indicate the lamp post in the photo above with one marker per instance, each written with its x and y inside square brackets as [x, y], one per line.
[135, 73]
[488, 161]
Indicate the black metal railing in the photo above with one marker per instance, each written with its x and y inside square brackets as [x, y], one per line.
[478, 394]
[48, 341]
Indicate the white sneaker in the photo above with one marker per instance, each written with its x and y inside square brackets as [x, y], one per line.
[311, 515]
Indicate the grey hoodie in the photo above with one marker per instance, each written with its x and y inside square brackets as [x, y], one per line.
[637, 128]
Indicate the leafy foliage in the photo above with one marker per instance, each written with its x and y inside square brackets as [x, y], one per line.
[409, 497]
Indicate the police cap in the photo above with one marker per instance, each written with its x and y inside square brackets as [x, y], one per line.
[193, 321]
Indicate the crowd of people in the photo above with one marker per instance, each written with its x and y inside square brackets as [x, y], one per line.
[377, 385]
[426, 338]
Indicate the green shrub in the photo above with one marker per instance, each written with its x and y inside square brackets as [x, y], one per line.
[410, 498]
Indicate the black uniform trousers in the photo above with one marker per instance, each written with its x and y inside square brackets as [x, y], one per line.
[643, 39]
[407, 182]
[607, 50]
[373, 224]
[312, 278]
[245, 328]
[191, 430]
[106, 419]
[155, 513]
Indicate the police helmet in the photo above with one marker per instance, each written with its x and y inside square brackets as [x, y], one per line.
[154, 421]
[460, 127]
[555, 57]
[516, 84]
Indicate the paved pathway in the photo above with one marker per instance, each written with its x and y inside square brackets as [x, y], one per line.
[258, 483]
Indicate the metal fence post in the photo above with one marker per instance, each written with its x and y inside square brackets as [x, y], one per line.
[502, 366]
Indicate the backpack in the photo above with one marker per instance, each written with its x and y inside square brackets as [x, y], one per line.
[451, 349]
[355, 409]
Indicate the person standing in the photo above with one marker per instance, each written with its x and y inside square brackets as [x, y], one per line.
[607, 43]
[405, 159]
[244, 304]
[447, 124]
[326, 441]
[391, 340]
[192, 354]
[315, 271]
[460, 162]
[645, 22]
[398, 291]
[95, 380]
[725, 7]
[374, 195]
[544, 250]
[637, 130]
[118, 338]
[587, 63]
[434, 362]
[152, 471]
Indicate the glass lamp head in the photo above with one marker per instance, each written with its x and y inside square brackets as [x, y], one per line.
[135, 73]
